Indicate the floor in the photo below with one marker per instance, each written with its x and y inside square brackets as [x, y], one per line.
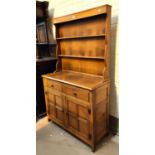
[52, 140]
[42, 123]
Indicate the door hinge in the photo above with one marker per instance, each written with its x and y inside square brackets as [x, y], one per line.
[89, 136]
[89, 111]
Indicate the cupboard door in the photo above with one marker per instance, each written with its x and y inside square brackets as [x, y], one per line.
[51, 105]
[78, 117]
[55, 107]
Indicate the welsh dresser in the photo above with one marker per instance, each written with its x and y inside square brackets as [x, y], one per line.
[77, 93]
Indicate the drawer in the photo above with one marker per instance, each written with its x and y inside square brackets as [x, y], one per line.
[76, 92]
[53, 84]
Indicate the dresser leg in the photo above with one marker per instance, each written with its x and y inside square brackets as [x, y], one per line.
[93, 148]
[49, 120]
[107, 134]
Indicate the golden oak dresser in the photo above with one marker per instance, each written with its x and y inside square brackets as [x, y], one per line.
[77, 93]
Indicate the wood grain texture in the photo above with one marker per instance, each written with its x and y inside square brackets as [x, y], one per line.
[96, 67]
[90, 47]
[85, 81]
[102, 111]
[84, 113]
[84, 27]
[82, 14]
[77, 93]
[53, 84]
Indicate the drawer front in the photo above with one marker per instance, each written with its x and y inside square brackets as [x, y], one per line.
[76, 92]
[53, 84]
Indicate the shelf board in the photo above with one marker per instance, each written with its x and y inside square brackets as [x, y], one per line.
[81, 57]
[42, 43]
[45, 43]
[45, 59]
[80, 37]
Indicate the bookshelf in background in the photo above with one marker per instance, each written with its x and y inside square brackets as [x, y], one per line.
[45, 53]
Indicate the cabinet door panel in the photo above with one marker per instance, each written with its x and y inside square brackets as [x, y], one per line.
[51, 105]
[58, 101]
[83, 112]
[72, 107]
[84, 128]
[59, 115]
[72, 121]
[78, 118]
[51, 98]
[51, 110]
[55, 107]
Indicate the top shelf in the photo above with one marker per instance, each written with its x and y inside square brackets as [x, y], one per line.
[80, 37]
[83, 14]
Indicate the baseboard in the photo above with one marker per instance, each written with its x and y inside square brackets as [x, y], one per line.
[113, 124]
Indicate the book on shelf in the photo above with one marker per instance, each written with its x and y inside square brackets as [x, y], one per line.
[41, 33]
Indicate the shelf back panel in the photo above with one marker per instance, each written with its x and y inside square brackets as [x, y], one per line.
[83, 47]
[84, 27]
[95, 67]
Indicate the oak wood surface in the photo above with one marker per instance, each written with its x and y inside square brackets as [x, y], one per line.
[80, 37]
[83, 14]
[83, 47]
[83, 28]
[85, 81]
[77, 93]
[82, 57]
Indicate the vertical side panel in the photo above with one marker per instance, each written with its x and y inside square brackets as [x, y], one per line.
[92, 120]
[107, 42]
[46, 98]
[102, 111]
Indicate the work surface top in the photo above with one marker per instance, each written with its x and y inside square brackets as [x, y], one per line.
[86, 81]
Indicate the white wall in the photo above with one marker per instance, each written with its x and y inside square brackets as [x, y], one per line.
[64, 7]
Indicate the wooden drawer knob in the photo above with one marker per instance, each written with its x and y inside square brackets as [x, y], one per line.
[52, 85]
[75, 94]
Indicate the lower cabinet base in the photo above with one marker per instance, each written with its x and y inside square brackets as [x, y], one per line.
[82, 112]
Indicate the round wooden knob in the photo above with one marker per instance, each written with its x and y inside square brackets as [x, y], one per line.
[75, 94]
